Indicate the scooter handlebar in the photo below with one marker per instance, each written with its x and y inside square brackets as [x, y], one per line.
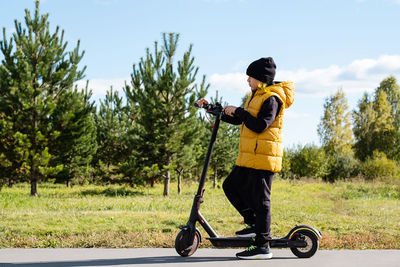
[214, 109]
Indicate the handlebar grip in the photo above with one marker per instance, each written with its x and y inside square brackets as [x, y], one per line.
[215, 109]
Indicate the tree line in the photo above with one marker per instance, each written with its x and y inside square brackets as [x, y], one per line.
[51, 130]
[363, 142]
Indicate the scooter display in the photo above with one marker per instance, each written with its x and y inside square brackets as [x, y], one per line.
[303, 240]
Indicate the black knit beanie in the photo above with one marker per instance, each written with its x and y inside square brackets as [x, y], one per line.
[262, 70]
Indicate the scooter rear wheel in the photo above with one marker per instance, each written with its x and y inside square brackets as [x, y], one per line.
[312, 244]
[184, 246]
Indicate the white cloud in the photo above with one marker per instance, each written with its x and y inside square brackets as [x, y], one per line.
[359, 76]
[312, 85]
[230, 82]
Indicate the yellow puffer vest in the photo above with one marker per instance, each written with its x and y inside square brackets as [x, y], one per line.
[264, 151]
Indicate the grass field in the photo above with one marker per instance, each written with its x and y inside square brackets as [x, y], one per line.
[352, 215]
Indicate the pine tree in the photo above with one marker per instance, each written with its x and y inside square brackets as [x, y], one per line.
[114, 127]
[35, 71]
[5, 143]
[225, 151]
[164, 97]
[185, 160]
[77, 144]
[226, 146]
[335, 126]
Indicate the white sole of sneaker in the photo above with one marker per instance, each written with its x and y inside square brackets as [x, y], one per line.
[247, 235]
[257, 257]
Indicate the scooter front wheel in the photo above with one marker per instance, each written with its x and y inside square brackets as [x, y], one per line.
[312, 243]
[186, 245]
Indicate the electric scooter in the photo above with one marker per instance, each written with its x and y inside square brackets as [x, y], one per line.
[302, 240]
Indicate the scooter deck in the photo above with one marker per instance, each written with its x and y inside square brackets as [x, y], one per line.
[233, 242]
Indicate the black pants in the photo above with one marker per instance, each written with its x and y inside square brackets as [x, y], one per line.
[249, 192]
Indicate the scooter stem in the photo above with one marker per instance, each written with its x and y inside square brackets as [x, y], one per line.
[209, 152]
[195, 215]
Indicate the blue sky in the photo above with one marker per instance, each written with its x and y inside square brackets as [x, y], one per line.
[322, 45]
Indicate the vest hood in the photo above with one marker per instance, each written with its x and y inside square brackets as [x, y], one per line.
[285, 90]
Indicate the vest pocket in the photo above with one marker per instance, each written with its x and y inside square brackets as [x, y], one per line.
[255, 147]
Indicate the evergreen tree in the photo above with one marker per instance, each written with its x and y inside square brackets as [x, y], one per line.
[225, 151]
[5, 143]
[114, 127]
[164, 98]
[77, 144]
[35, 72]
[335, 126]
[225, 148]
[186, 159]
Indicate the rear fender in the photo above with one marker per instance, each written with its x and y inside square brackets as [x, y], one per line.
[298, 228]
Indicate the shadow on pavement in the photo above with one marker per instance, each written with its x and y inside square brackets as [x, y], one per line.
[144, 260]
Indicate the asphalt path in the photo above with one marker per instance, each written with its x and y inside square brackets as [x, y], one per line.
[203, 257]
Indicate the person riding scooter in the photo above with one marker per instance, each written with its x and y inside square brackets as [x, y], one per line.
[248, 186]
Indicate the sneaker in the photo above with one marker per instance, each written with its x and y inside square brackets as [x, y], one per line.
[249, 231]
[255, 253]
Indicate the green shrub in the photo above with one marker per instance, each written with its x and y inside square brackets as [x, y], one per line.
[312, 161]
[286, 172]
[379, 166]
[342, 166]
[308, 161]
